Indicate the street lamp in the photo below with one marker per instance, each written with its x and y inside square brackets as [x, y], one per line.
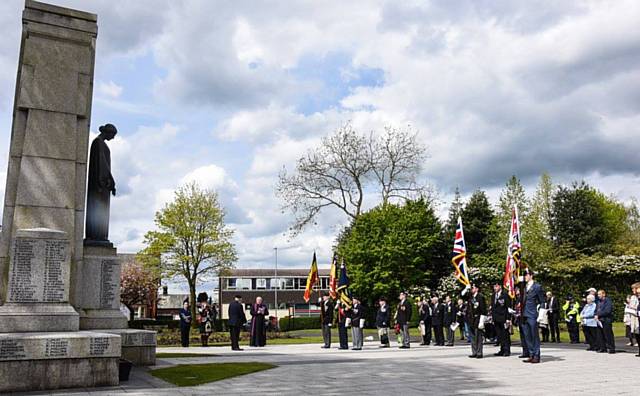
[276, 289]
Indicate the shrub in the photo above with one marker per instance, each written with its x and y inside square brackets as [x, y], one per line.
[288, 323]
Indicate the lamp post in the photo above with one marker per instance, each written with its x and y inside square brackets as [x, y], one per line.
[276, 289]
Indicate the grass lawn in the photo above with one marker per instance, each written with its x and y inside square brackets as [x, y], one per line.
[197, 374]
[182, 354]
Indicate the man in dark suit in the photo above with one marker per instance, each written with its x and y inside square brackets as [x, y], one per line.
[476, 308]
[534, 299]
[403, 317]
[185, 323]
[425, 313]
[450, 317]
[437, 320]
[604, 314]
[237, 319]
[500, 304]
[553, 305]
[343, 313]
[326, 317]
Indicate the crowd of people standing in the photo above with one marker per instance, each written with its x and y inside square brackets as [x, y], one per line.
[533, 312]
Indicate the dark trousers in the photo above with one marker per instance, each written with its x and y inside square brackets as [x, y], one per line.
[234, 332]
[554, 328]
[532, 336]
[592, 337]
[462, 334]
[426, 338]
[523, 341]
[504, 338]
[451, 335]
[326, 335]
[545, 334]
[438, 333]
[638, 343]
[608, 341]
[574, 332]
[342, 335]
[184, 336]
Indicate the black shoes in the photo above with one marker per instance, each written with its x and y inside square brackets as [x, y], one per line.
[473, 356]
[523, 356]
[498, 354]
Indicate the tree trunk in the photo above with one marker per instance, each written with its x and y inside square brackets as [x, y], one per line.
[192, 304]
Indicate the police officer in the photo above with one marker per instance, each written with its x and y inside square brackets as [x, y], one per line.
[571, 309]
[500, 304]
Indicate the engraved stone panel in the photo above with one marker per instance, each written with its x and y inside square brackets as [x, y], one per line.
[99, 346]
[101, 282]
[39, 270]
[12, 350]
[65, 345]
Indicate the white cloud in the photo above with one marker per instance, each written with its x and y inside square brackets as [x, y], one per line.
[109, 89]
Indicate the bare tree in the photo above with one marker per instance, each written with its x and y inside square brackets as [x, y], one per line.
[345, 166]
[397, 159]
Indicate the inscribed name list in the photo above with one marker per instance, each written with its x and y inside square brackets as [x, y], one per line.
[39, 271]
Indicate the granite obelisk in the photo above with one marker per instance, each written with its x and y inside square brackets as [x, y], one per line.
[41, 245]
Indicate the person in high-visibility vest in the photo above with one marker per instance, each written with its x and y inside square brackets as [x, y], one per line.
[571, 310]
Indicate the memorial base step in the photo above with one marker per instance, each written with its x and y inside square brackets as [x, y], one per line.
[46, 361]
[138, 346]
[28, 317]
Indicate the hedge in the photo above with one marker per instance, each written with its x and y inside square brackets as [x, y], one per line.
[288, 323]
[152, 324]
[614, 274]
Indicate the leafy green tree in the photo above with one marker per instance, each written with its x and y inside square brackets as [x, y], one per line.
[538, 249]
[513, 195]
[583, 220]
[455, 210]
[477, 217]
[393, 248]
[192, 240]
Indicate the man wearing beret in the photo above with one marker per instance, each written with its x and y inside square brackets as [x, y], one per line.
[500, 304]
[476, 313]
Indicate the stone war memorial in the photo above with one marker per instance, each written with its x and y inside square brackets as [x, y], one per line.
[60, 324]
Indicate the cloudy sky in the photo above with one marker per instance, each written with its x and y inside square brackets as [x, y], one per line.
[226, 93]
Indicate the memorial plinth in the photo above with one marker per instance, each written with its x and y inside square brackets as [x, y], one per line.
[101, 296]
[39, 361]
[138, 346]
[38, 284]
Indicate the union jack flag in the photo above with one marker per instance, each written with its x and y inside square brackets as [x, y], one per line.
[514, 251]
[459, 259]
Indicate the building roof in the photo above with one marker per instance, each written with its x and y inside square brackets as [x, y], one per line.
[171, 301]
[270, 273]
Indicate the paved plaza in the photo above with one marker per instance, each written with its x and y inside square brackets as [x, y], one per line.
[419, 370]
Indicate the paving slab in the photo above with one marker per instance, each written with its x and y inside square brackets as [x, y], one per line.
[419, 370]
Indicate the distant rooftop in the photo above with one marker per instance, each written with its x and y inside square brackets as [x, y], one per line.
[247, 272]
